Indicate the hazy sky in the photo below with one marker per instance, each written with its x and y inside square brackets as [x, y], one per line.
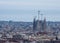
[25, 10]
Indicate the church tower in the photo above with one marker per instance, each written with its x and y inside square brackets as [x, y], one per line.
[34, 25]
[45, 25]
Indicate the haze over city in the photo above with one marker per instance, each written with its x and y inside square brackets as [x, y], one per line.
[29, 21]
[25, 10]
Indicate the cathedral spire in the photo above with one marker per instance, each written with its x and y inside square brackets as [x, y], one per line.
[38, 14]
[34, 24]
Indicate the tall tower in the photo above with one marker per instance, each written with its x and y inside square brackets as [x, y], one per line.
[38, 14]
[45, 26]
[38, 22]
[34, 25]
[41, 16]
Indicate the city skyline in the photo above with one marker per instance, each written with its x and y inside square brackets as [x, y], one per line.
[25, 10]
